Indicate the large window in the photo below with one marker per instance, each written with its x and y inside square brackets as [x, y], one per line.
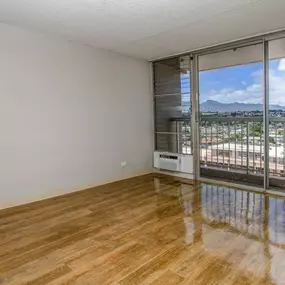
[172, 105]
[238, 107]
[231, 114]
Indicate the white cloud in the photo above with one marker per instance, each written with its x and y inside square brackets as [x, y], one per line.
[253, 93]
[281, 65]
[244, 83]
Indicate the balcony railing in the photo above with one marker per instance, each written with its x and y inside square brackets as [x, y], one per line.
[232, 144]
[237, 144]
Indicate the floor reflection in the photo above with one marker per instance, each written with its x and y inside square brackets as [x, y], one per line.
[242, 230]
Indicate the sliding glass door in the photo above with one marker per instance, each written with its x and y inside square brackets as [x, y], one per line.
[231, 115]
[242, 114]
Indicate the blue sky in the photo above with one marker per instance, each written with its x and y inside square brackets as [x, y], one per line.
[243, 83]
[229, 78]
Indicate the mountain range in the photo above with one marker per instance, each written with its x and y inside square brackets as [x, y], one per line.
[215, 106]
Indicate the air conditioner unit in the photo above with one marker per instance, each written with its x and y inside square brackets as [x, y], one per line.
[173, 162]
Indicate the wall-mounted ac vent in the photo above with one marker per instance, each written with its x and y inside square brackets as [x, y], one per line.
[173, 162]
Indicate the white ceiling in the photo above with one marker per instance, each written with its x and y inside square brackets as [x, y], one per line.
[147, 28]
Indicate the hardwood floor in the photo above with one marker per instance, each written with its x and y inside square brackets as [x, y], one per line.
[146, 230]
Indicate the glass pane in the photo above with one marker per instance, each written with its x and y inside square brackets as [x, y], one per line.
[174, 143]
[231, 114]
[277, 112]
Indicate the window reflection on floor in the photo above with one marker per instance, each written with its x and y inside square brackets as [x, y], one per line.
[243, 229]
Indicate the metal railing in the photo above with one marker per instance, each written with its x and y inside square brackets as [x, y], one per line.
[230, 143]
[178, 139]
[237, 144]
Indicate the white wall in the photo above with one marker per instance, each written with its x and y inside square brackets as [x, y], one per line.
[69, 115]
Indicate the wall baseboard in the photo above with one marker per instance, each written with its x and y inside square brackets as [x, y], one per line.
[186, 178]
[175, 174]
[58, 193]
[181, 177]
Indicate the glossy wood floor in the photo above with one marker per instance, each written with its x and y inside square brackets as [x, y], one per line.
[146, 230]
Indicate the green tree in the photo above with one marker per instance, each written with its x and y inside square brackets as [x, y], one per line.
[271, 140]
[236, 137]
[256, 130]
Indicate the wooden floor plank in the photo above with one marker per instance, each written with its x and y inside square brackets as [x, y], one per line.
[169, 278]
[147, 230]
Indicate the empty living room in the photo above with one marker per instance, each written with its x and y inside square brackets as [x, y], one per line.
[142, 142]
